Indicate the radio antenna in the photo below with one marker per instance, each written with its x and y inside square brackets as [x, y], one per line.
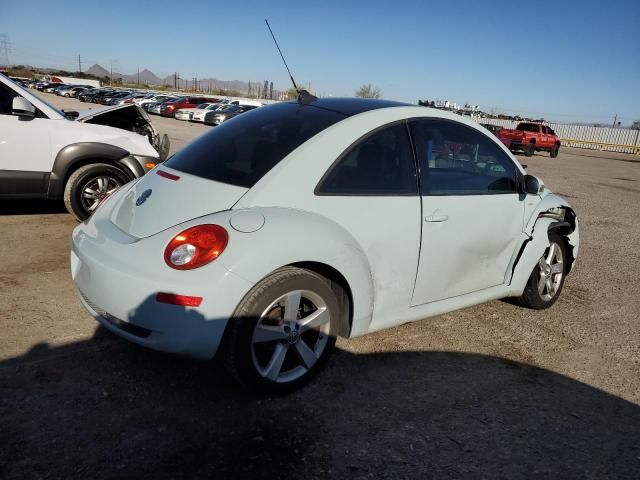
[304, 96]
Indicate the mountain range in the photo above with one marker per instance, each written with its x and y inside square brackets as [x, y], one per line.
[150, 78]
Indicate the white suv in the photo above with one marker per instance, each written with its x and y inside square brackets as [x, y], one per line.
[47, 153]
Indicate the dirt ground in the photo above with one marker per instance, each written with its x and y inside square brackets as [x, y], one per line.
[493, 391]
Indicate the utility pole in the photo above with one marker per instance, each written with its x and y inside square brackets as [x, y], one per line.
[79, 64]
[138, 77]
[175, 80]
[111, 70]
[4, 50]
[614, 121]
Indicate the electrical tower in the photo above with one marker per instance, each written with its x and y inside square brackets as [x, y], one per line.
[4, 50]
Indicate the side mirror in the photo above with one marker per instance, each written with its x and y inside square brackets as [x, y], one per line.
[22, 108]
[532, 185]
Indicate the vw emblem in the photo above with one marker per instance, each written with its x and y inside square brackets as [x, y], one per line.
[143, 197]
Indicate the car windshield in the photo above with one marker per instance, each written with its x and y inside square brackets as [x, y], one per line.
[241, 152]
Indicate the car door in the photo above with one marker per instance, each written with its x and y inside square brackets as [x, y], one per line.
[25, 150]
[371, 191]
[472, 213]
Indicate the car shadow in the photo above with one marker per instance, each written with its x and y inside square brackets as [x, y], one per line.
[105, 408]
[31, 207]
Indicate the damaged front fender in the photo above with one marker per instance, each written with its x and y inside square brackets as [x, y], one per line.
[553, 213]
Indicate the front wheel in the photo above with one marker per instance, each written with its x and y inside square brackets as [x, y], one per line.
[88, 186]
[547, 279]
[282, 331]
[554, 151]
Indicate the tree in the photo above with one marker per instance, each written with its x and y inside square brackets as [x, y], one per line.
[368, 91]
[636, 125]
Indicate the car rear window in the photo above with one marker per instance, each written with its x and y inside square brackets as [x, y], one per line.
[243, 150]
[528, 127]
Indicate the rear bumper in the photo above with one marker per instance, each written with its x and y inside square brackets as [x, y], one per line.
[118, 277]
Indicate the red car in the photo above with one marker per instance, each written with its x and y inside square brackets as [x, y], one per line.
[530, 137]
[170, 108]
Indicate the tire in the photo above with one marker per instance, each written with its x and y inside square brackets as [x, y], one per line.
[554, 151]
[529, 149]
[100, 178]
[540, 293]
[272, 355]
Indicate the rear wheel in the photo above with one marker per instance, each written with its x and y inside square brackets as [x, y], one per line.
[529, 149]
[88, 186]
[554, 151]
[547, 279]
[282, 331]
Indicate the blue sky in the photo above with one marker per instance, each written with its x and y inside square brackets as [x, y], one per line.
[561, 60]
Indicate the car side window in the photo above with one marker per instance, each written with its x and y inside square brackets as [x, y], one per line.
[455, 159]
[6, 99]
[380, 164]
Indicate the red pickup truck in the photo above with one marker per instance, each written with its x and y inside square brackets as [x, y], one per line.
[530, 137]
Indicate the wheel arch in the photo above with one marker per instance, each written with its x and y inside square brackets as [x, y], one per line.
[76, 155]
[537, 231]
[334, 275]
[303, 239]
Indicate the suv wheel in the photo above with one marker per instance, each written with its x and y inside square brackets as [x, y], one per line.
[88, 186]
[554, 151]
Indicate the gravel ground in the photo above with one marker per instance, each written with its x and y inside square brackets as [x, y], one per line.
[493, 391]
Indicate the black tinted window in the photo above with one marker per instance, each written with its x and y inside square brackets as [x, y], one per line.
[459, 160]
[381, 164]
[528, 127]
[243, 151]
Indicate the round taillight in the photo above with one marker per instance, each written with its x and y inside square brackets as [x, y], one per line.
[196, 246]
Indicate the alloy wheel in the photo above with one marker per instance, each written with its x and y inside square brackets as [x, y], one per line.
[290, 336]
[96, 189]
[550, 272]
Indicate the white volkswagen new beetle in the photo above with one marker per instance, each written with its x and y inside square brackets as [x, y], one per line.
[295, 223]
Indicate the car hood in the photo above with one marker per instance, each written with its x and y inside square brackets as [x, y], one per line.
[165, 197]
[130, 117]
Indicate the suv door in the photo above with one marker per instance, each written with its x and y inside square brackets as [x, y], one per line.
[25, 150]
[472, 211]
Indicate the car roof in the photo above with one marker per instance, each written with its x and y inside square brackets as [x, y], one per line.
[354, 106]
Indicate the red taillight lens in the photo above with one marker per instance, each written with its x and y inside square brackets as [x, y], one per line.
[182, 300]
[196, 246]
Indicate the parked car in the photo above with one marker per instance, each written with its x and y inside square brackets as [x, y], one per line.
[170, 108]
[199, 113]
[310, 221]
[187, 113]
[216, 117]
[152, 99]
[531, 137]
[46, 153]
[73, 91]
[157, 107]
[96, 95]
[127, 98]
[107, 99]
[54, 87]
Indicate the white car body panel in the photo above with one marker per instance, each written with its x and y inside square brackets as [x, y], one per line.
[374, 242]
[47, 136]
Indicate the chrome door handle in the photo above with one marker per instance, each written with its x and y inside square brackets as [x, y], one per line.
[436, 217]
